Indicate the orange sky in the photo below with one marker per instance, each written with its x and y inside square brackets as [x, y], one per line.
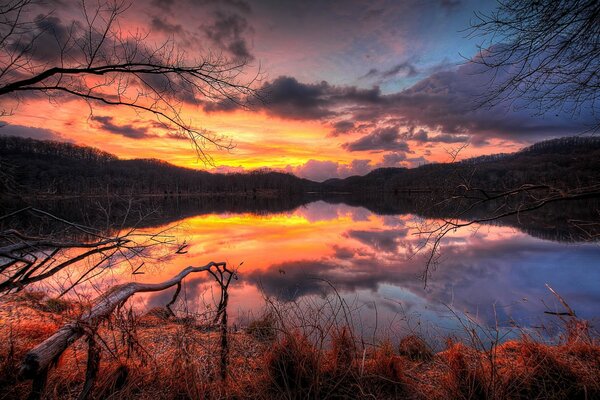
[391, 74]
[260, 140]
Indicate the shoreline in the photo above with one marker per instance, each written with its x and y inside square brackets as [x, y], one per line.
[274, 359]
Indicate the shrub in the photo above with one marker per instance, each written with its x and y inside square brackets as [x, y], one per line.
[415, 348]
[263, 328]
[539, 373]
[343, 349]
[384, 375]
[466, 377]
[55, 305]
[293, 365]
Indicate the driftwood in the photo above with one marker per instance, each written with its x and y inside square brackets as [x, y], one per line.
[38, 360]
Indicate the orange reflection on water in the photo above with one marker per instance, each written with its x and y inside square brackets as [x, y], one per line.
[487, 270]
[259, 241]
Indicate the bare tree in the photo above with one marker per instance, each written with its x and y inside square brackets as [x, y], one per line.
[543, 54]
[81, 253]
[95, 59]
[546, 52]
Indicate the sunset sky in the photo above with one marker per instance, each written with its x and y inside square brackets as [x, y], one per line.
[351, 86]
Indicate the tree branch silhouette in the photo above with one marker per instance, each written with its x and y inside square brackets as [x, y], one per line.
[95, 60]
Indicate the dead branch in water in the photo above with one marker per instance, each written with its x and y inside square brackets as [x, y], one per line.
[38, 360]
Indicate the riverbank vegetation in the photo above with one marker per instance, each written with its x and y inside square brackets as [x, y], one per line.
[290, 355]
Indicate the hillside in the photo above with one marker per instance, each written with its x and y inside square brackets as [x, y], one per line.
[563, 163]
[53, 168]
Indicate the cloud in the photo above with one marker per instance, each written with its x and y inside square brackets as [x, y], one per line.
[286, 97]
[404, 69]
[159, 24]
[163, 4]
[380, 241]
[133, 132]
[422, 136]
[440, 108]
[239, 5]
[228, 31]
[48, 40]
[342, 127]
[379, 139]
[30, 132]
[322, 170]
[372, 73]
[393, 159]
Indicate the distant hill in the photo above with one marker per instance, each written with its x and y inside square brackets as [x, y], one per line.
[56, 168]
[562, 163]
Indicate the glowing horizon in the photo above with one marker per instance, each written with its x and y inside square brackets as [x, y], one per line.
[350, 89]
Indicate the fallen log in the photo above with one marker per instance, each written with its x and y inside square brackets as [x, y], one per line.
[38, 360]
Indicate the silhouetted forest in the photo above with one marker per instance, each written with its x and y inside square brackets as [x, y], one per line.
[561, 163]
[54, 168]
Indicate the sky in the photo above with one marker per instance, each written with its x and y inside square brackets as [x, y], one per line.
[348, 86]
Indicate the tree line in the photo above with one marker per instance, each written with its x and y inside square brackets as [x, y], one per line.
[56, 168]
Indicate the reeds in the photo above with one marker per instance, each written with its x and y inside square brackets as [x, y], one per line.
[307, 353]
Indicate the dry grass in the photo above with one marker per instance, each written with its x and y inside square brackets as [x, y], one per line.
[161, 357]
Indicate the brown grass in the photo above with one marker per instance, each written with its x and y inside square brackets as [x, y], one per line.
[415, 348]
[171, 358]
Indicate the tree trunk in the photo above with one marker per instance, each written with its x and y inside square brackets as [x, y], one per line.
[41, 357]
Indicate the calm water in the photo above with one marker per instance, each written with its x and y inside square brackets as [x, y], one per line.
[492, 273]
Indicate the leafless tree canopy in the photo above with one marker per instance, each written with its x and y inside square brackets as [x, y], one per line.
[79, 252]
[96, 59]
[546, 52]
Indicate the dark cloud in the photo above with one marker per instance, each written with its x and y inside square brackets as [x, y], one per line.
[29, 132]
[127, 130]
[238, 5]
[442, 107]
[420, 135]
[447, 102]
[380, 241]
[163, 4]
[343, 253]
[48, 40]
[379, 139]
[372, 73]
[404, 69]
[228, 31]
[342, 127]
[159, 24]
[287, 97]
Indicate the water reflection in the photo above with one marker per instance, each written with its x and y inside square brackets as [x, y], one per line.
[369, 251]
[495, 273]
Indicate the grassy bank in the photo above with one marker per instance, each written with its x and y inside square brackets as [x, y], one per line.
[157, 356]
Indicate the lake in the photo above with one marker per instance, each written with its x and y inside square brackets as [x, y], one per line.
[373, 256]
